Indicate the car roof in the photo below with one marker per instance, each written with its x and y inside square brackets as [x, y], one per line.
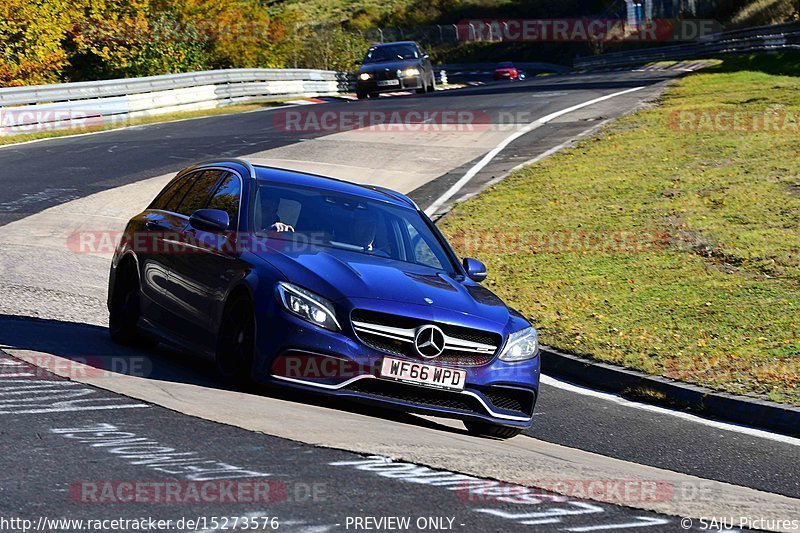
[376, 45]
[294, 177]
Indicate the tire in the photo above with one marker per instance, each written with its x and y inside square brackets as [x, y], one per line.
[432, 86]
[361, 96]
[236, 342]
[486, 429]
[124, 308]
[423, 89]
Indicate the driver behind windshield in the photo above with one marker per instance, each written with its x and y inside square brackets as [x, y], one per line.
[363, 232]
[270, 210]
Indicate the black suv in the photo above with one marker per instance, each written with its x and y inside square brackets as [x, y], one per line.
[399, 66]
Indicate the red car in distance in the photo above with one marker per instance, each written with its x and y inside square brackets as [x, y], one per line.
[507, 71]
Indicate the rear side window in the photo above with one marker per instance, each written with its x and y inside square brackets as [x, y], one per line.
[227, 196]
[197, 196]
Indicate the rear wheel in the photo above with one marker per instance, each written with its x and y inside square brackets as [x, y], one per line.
[124, 308]
[236, 342]
[485, 429]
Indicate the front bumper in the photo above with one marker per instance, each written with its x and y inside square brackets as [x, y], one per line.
[404, 84]
[296, 354]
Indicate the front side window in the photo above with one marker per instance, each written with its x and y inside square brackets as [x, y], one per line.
[171, 196]
[227, 197]
[197, 196]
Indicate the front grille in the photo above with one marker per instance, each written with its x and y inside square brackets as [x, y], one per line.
[382, 74]
[417, 395]
[395, 334]
[510, 399]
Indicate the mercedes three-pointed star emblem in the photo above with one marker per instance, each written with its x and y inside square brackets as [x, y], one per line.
[429, 341]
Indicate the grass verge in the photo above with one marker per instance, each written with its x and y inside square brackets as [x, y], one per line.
[667, 248]
[140, 121]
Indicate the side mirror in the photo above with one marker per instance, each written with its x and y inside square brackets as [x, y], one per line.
[475, 269]
[210, 220]
[425, 56]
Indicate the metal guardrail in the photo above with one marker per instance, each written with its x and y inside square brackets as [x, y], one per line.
[41, 107]
[67, 105]
[64, 92]
[759, 39]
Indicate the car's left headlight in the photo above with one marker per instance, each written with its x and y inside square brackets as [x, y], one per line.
[411, 72]
[521, 346]
[364, 76]
[307, 305]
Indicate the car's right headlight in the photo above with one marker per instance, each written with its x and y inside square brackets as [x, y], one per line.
[521, 346]
[307, 305]
[364, 76]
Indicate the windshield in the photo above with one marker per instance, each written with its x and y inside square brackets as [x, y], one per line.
[333, 220]
[392, 52]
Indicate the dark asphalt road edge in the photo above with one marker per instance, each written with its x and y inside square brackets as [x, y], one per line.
[658, 390]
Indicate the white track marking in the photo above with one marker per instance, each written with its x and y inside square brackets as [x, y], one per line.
[543, 155]
[471, 173]
[553, 382]
[642, 521]
[72, 409]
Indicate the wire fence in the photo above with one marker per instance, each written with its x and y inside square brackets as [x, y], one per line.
[775, 38]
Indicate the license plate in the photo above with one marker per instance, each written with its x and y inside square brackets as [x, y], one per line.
[421, 374]
[386, 83]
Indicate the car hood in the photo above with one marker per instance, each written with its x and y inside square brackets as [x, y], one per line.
[390, 65]
[342, 275]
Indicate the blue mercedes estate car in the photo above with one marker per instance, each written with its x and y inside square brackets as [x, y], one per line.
[287, 278]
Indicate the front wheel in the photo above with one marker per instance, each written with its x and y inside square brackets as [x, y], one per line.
[236, 342]
[124, 308]
[486, 429]
[432, 86]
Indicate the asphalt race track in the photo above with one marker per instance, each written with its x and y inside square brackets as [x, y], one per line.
[160, 421]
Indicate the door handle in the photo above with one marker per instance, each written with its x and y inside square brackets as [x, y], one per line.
[153, 225]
